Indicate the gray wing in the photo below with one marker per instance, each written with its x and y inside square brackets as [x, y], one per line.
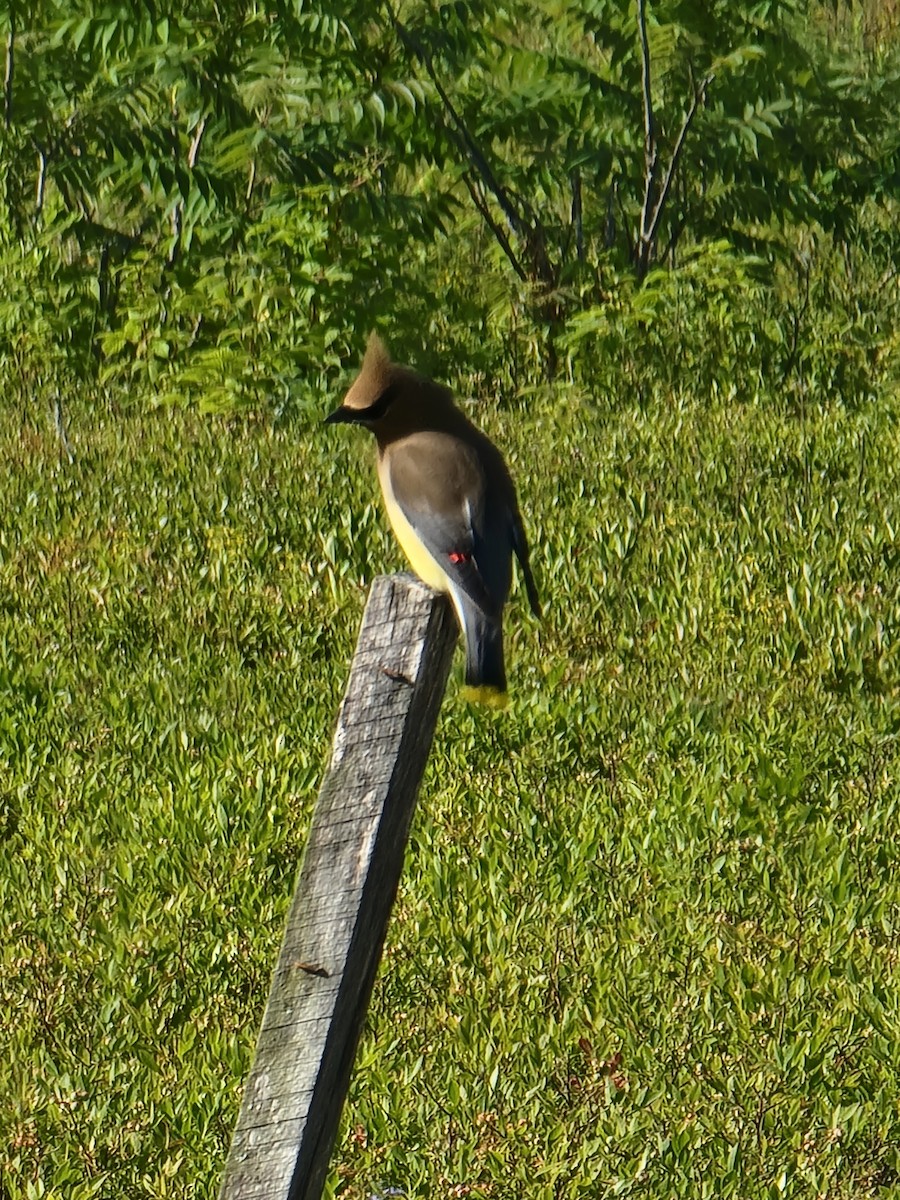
[439, 483]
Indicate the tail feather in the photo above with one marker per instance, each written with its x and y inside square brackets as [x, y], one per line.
[530, 585]
[520, 546]
[485, 669]
[484, 653]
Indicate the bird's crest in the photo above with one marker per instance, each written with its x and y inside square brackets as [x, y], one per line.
[376, 357]
[374, 374]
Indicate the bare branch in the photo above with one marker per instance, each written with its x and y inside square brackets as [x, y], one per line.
[519, 216]
[41, 181]
[10, 65]
[609, 229]
[655, 199]
[577, 215]
[194, 150]
[651, 147]
[59, 424]
[480, 202]
[699, 98]
[474, 153]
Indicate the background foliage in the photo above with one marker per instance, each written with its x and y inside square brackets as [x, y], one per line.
[209, 206]
[647, 940]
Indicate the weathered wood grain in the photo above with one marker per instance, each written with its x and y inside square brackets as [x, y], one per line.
[345, 891]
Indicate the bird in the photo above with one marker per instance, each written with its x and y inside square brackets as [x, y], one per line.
[451, 502]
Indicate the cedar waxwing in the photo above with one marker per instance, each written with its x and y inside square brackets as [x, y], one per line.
[450, 501]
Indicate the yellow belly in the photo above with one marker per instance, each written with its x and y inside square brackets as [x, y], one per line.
[419, 559]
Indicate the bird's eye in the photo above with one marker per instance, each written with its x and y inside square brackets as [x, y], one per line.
[377, 410]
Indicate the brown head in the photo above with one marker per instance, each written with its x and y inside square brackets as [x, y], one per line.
[392, 400]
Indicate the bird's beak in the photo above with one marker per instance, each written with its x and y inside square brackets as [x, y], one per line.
[340, 415]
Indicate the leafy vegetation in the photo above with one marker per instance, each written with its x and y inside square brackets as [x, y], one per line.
[647, 940]
[199, 208]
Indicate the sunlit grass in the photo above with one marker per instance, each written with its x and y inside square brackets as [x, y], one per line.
[647, 939]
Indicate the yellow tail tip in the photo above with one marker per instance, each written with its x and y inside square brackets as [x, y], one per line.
[489, 697]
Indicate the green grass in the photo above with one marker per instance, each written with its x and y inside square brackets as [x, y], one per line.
[648, 938]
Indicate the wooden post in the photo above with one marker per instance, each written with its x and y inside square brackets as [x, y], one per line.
[345, 891]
